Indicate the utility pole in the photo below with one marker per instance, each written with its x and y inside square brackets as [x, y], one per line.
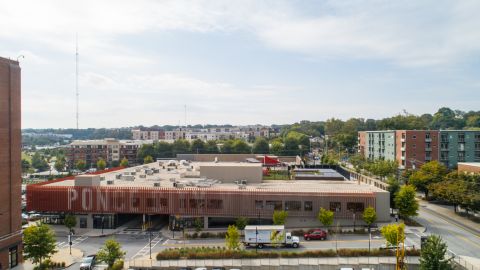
[76, 78]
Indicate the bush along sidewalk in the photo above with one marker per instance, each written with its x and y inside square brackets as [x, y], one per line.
[223, 253]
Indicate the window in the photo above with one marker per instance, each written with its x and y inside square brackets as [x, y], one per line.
[163, 202]
[150, 202]
[183, 203]
[308, 206]
[355, 207]
[83, 222]
[414, 136]
[293, 205]
[273, 205]
[12, 257]
[461, 156]
[461, 137]
[215, 204]
[197, 203]
[477, 137]
[427, 136]
[444, 138]
[135, 202]
[477, 156]
[258, 205]
[335, 206]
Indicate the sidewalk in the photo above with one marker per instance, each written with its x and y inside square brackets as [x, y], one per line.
[63, 255]
[447, 212]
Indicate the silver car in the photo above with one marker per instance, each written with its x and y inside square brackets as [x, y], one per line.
[88, 263]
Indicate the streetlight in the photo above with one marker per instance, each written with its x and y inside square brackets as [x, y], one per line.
[150, 236]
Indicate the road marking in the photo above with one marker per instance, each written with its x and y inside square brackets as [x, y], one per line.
[146, 249]
[451, 222]
[75, 242]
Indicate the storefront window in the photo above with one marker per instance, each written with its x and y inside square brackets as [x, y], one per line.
[12, 257]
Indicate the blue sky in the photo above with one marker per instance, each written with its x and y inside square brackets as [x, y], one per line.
[241, 62]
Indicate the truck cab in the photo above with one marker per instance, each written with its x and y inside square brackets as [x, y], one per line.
[293, 241]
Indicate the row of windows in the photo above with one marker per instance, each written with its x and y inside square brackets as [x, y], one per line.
[307, 206]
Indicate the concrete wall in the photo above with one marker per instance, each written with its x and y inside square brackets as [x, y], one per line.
[228, 157]
[228, 174]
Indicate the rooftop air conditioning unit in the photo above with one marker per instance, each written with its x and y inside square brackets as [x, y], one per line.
[137, 169]
[179, 185]
[156, 170]
[133, 173]
[156, 184]
[102, 178]
[109, 182]
[142, 176]
[118, 176]
[243, 182]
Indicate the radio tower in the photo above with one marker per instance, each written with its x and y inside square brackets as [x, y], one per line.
[76, 77]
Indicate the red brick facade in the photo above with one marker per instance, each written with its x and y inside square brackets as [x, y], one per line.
[10, 162]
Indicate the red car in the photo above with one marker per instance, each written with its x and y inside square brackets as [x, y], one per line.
[316, 234]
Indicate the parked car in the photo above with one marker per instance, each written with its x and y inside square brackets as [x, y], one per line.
[88, 262]
[316, 234]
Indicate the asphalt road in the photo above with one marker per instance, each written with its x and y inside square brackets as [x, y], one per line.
[460, 240]
[133, 245]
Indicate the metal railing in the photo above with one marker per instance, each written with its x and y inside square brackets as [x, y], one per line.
[461, 262]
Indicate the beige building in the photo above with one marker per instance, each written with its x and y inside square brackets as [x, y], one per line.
[231, 172]
[469, 167]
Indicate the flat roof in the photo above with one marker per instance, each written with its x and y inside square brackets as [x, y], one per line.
[188, 175]
[473, 164]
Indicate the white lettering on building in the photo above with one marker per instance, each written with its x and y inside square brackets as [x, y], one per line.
[72, 196]
[87, 205]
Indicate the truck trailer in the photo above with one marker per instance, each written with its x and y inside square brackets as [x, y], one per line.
[271, 235]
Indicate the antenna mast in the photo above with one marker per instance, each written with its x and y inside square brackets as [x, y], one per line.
[76, 77]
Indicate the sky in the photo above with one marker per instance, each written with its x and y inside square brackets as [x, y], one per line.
[240, 62]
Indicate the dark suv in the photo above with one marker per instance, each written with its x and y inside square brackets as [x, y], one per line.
[316, 234]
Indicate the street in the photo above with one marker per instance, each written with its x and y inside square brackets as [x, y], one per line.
[460, 240]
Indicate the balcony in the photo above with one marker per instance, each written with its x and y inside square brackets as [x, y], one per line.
[403, 158]
[428, 148]
[428, 158]
[428, 139]
[403, 148]
[402, 139]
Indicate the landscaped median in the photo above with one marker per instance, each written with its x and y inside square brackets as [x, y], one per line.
[223, 253]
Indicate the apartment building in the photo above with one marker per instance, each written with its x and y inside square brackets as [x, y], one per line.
[148, 134]
[412, 148]
[10, 164]
[111, 150]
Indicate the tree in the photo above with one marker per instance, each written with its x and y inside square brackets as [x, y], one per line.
[80, 165]
[433, 255]
[148, 159]
[279, 217]
[325, 217]
[393, 233]
[241, 147]
[430, 172]
[59, 164]
[39, 162]
[211, 147]
[369, 216]
[241, 222]
[393, 188]
[260, 146]
[101, 164]
[146, 150]
[290, 146]
[110, 252]
[25, 165]
[227, 147]
[124, 162]
[197, 146]
[163, 150]
[39, 243]
[198, 224]
[232, 237]
[405, 201]
[277, 148]
[70, 221]
[180, 147]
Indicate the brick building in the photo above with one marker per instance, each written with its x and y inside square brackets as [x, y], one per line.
[216, 192]
[111, 150]
[10, 165]
[412, 148]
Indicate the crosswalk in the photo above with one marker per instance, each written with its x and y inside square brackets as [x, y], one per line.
[75, 241]
[146, 249]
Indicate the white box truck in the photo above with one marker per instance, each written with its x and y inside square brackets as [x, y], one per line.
[272, 235]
